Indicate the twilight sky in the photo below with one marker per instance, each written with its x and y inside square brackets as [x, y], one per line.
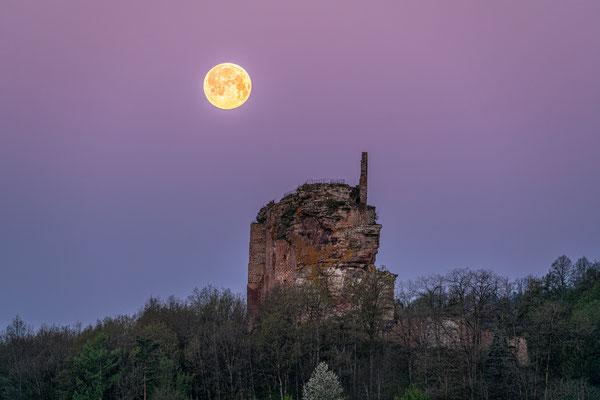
[119, 181]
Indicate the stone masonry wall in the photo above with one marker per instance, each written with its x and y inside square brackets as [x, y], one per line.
[256, 265]
[322, 231]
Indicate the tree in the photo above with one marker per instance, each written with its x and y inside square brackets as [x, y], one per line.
[17, 331]
[574, 389]
[496, 370]
[579, 270]
[412, 393]
[372, 300]
[276, 336]
[171, 383]
[96, 369]
[546, 332]
[145, 354]
[216, 350]
[15, 383]
[472, 307]
[559, 278]
[323, 385]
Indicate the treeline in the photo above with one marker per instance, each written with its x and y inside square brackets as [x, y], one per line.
[458, 336]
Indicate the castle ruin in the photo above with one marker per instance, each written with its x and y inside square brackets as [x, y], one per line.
[320, 230]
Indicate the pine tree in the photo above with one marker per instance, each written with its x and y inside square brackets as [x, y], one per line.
[496, 369]
[96, 369]
[145, 353]
[323, 385]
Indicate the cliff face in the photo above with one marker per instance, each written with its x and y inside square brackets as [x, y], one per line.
[322, 231]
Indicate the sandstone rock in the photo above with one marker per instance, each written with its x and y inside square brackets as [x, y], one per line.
[323, 231]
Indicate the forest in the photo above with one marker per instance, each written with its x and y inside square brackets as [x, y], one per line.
[468, 334]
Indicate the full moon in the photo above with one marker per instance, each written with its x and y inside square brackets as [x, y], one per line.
[227, 86]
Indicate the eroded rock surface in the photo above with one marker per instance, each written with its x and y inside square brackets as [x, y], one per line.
[322, 231]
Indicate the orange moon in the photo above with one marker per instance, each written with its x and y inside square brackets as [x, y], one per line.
[227, 86]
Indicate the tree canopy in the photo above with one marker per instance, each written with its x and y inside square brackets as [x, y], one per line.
[468, 334]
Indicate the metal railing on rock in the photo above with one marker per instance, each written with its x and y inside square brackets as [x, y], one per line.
[316, 181]
[330, 181]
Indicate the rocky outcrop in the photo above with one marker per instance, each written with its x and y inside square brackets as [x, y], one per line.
[322, 231]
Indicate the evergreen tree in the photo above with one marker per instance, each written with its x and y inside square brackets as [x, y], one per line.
[496, 367]
[96, 369]
[146, 356]
[323, 385]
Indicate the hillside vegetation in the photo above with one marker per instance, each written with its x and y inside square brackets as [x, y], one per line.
[453, 337]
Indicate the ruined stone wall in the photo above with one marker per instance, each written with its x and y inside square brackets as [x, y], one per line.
[323, 231]
[450, 333]
[256, 265]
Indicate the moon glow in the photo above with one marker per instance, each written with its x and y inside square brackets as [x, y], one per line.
[227, 86]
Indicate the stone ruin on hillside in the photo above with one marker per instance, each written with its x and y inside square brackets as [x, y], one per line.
[319, 230]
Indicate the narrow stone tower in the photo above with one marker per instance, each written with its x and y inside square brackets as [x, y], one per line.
[362, 184]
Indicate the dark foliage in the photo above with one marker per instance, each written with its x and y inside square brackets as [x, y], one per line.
[458, 336]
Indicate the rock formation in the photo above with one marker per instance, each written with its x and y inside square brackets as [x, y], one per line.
[322, 230]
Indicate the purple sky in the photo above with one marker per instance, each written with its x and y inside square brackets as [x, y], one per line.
[119, 181]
